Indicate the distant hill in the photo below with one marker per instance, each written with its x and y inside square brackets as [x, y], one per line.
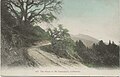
[86, 39]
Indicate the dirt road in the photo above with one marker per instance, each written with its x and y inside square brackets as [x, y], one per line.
[45, 59]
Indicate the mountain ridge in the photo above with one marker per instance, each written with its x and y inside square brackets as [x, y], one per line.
[86, 39]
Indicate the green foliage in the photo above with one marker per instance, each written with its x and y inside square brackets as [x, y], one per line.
[47, 48]
[62, 44]
[81, 50]
[12, 41]
[99, 55]
[48, 17]
[32, 11]
[40, 33]
[108, 54]
[19, 16]
[80, 47]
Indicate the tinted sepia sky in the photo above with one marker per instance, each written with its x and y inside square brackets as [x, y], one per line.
[97, 18]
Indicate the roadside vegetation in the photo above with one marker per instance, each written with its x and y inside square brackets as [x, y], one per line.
[19, 32]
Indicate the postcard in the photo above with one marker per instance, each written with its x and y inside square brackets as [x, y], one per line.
[60, 38]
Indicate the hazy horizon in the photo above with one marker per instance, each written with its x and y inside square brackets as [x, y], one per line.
[96, 18]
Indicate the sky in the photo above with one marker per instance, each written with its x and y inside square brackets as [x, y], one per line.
[96, 18]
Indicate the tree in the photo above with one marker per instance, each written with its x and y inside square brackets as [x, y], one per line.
[7, 21]
[25, 13]
[40, 33]
[61, 42]
[107, 55]
[80, 47]
[29, 11]
[81, 50]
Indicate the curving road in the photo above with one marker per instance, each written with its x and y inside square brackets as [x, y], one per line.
[45, 59]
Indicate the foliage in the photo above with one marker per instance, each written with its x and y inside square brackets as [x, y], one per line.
[20, 15]
[61, 42]
[109, 54]
[29, 11]
[12, 54]
[47, 48]
[18, 30]
[40, 33]
[99, 55]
